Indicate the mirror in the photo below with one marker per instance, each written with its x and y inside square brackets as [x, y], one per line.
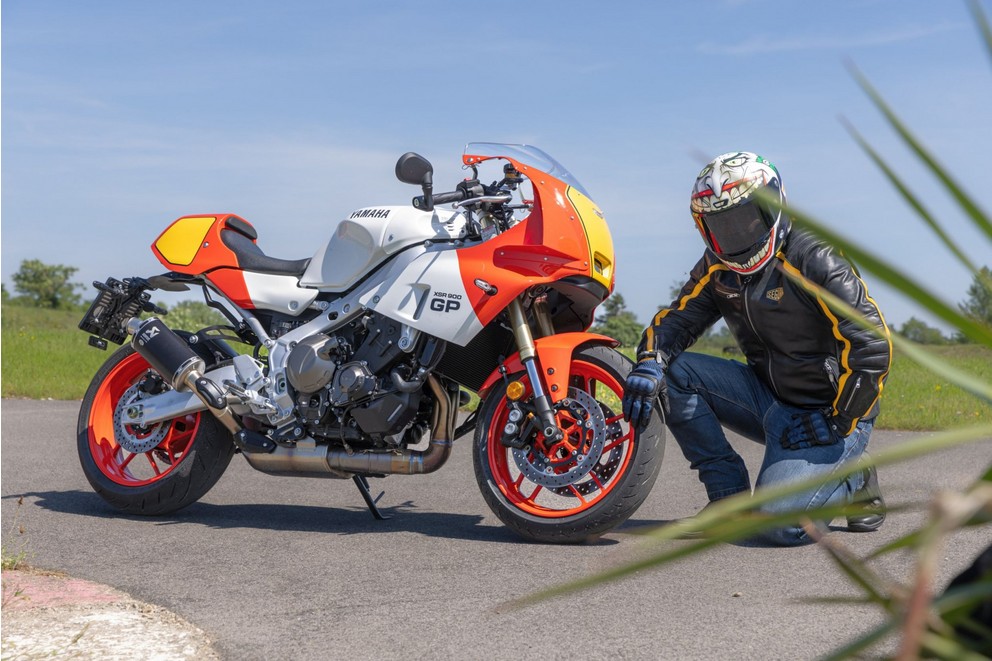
[412, 168]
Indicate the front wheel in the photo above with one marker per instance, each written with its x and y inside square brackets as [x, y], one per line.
[576, 488]
[150, 470]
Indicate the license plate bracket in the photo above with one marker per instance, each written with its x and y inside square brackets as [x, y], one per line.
[117, 302]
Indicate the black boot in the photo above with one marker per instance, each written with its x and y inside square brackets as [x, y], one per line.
[867, 506]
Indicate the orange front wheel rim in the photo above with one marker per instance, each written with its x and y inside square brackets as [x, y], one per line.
[561, 478]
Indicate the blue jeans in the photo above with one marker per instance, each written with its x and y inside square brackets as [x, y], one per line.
[708, 393]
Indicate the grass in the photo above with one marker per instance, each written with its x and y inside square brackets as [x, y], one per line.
[48, 358]
[14, 554]
[46, 355]
[915, 398]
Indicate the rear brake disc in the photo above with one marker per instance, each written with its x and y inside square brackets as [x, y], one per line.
[136, 439]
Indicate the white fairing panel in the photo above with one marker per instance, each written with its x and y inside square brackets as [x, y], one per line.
[369, 236]
[278, 292]
[422, 287]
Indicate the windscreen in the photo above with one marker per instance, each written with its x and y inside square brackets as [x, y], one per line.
[525, 155]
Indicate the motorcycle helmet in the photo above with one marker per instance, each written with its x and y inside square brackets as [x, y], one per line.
[741, 229]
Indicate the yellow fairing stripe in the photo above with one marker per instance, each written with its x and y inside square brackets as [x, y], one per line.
[597, 235]
[684, 301]
[845, 343]
[180, 243]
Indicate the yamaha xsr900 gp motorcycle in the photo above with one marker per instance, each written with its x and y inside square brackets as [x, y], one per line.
[359, 357]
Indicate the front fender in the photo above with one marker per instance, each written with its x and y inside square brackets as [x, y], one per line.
[554, 354]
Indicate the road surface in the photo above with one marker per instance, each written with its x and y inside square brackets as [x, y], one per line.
[289, 568]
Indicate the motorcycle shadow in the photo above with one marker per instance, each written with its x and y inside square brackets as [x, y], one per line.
[403, 518]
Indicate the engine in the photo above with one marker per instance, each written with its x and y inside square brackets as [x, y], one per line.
[365, 382]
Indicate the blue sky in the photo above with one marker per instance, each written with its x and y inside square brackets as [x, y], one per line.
[118, 117]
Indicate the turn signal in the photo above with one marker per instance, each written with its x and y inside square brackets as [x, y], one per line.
[514, 391]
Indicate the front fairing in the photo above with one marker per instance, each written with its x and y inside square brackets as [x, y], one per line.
[565, 235]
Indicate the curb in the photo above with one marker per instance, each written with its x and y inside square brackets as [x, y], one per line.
[49, 614]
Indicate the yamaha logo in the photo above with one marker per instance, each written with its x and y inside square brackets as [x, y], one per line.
[371, 213]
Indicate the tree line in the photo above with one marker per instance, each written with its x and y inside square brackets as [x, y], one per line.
[616, 321]
[51, 286]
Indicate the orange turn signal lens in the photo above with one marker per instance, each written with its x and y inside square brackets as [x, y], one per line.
[514, 391]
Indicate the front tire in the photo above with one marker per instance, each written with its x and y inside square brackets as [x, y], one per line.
[579, 488]
[148, 471]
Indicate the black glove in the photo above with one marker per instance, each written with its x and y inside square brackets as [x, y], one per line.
[645, 384]
[809, 429]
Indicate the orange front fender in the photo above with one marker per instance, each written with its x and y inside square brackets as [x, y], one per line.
[554, 354]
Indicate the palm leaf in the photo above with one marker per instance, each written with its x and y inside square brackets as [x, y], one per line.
[947, 648]
[861, 644]
[962, 198]
[719, 524]
[983, 24]
[891, 275]
[911, 199]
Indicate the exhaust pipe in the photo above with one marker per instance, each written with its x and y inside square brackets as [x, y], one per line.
[313, 460]
[171, 357]
[407, 462]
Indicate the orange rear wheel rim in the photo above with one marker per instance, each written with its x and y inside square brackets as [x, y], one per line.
[114, 460]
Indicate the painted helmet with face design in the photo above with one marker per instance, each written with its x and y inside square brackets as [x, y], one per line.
[741, 228]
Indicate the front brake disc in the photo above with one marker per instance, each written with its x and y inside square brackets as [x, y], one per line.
[591, 424]
[602, 472]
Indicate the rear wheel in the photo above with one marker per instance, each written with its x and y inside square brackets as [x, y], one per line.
[150, 470]
[583, 485]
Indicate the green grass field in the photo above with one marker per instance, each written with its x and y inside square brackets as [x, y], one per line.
[45, 356]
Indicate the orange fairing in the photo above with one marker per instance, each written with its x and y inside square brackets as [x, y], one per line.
[553, 350]
[193, 245]
[564, 235]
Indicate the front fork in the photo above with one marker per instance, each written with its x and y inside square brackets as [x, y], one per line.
[528, 357]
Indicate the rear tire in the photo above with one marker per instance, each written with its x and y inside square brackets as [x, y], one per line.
[147, 471]
[585, 485]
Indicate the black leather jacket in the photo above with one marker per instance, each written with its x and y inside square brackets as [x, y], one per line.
[809, 355]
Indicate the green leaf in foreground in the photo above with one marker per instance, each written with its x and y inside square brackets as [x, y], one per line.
[728, 520]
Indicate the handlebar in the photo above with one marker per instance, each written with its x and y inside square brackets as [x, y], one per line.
[500, 199]
[441, 198]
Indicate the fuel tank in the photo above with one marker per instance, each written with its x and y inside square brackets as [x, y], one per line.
[371, 235]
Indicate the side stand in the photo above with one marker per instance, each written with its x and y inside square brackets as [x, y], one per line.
[363, 487]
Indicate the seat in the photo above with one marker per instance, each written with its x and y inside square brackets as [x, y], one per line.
[240, 237]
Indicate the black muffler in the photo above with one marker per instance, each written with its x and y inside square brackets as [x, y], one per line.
[171, 357]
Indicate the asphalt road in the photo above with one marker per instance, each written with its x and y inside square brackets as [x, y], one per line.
[284, 568]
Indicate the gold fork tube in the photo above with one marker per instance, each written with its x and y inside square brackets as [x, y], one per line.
[521, 330]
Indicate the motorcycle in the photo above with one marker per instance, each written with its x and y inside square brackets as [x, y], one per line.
[358, 360]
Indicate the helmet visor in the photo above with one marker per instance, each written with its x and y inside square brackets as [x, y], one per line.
[737, 229]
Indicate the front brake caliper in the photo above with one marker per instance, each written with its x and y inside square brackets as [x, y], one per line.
[518, 427]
